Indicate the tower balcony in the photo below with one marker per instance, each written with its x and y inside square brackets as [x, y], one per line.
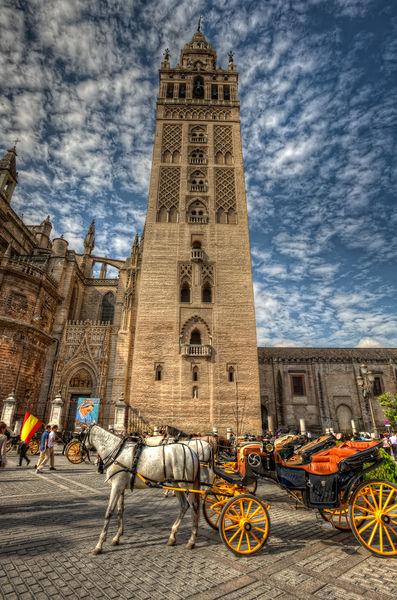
[195, 187]
[198, 161]
[201, 139]
[196, 350]
[203, 220]
[197, 254]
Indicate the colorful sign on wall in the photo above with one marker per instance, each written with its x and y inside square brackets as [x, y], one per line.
[87, 412]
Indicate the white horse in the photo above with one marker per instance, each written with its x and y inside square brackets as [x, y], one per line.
[174, 463]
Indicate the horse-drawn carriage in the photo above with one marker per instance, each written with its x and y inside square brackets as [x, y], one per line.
[320, 475]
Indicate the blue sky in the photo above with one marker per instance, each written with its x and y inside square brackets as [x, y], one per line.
[318, 83]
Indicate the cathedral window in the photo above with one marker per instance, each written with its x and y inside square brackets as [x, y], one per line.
[298, 385]
[185, 292]
[107, 313]
[170, 90]
[231, 374]
[226, 92]
[158, 373]
[195, 338]
[182, 90]
[214, 92]
[195, 374]
[207, 293]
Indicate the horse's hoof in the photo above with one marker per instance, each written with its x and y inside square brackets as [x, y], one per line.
[115, 543]
[190, 546]
[97, 551]
[171, 543]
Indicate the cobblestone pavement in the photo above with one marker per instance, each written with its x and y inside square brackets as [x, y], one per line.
[49, 525]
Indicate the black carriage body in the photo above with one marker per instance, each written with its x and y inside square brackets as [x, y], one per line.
[325, 491]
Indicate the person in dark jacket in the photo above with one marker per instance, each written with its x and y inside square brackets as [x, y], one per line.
[23, 448]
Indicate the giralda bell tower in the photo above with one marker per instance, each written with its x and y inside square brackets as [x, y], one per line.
[195, 362]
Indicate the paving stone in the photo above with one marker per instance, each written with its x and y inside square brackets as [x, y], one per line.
[47, 537]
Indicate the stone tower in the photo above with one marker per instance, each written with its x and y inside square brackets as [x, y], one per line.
[195, 362]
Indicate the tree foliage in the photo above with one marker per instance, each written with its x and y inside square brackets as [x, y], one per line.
[389, 404]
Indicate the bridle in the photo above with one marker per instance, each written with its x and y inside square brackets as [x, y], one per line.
[84, 437]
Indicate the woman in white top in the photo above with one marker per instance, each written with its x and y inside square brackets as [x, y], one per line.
[3, 444]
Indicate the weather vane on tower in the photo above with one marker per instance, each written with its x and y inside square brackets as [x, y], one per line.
[199, 23]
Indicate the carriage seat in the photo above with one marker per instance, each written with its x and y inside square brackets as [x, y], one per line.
[327, 462]
[244, 451]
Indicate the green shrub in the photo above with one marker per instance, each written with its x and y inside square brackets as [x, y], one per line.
[387, 471]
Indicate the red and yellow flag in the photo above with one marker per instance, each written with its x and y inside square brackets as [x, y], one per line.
[29, 427]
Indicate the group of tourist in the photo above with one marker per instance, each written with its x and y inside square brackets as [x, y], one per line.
[47, 447]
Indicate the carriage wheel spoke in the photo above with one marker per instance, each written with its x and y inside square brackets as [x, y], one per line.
[258, 520]
[234, 535]
[373, 497]
[231, 527]
[248, 541]
[366, 526]
[389, 538]
[254, 536]
[242, 508]
[249, 508]
[363, 508]
[380, 495]
[381, 537]
[391, 508]
[256, 511]
[390, 527]
[364, 497]
[240, 540]
[372, 534]
[388, 498]
[259, 528]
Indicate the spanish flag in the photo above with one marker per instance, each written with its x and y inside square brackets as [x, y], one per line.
[29, 427]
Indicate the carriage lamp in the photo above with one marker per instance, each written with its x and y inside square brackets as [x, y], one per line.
[366, 382]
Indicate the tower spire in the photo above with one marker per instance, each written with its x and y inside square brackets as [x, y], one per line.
[89, 241]
[199, 23]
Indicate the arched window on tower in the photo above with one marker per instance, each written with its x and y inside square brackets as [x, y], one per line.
[231, 373]
[185, 292]
[162, 215]
[195, 338]
[107, 313]
[173, 215]
[207, 292]
[158, 373]
[195, 374]
[198, 87]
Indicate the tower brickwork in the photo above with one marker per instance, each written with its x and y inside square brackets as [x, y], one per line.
[195, 361]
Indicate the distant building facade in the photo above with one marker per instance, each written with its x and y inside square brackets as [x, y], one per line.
[172, 338]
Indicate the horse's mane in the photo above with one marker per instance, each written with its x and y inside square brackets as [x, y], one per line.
[174, 432]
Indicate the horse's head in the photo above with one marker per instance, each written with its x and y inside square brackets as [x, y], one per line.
[85, 438]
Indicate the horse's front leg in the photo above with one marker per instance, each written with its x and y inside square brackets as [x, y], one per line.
[120, 514]
[184, 505]
[194, 501]
[114, 496]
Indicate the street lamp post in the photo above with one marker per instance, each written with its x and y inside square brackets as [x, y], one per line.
[366, 382]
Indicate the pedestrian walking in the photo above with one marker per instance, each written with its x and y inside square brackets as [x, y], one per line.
[52, 438]
[393, 443]
[23, 448]
[44, 453]
[3, 444]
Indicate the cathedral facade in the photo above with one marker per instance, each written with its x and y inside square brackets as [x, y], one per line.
[170, 339]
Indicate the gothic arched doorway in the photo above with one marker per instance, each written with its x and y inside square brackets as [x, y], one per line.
[80, 386]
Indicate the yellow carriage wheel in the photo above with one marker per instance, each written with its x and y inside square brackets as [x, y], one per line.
[212, 507]
[33, 449]
[244, 524]
[338, 517]
[72, 452]
[373, 516]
